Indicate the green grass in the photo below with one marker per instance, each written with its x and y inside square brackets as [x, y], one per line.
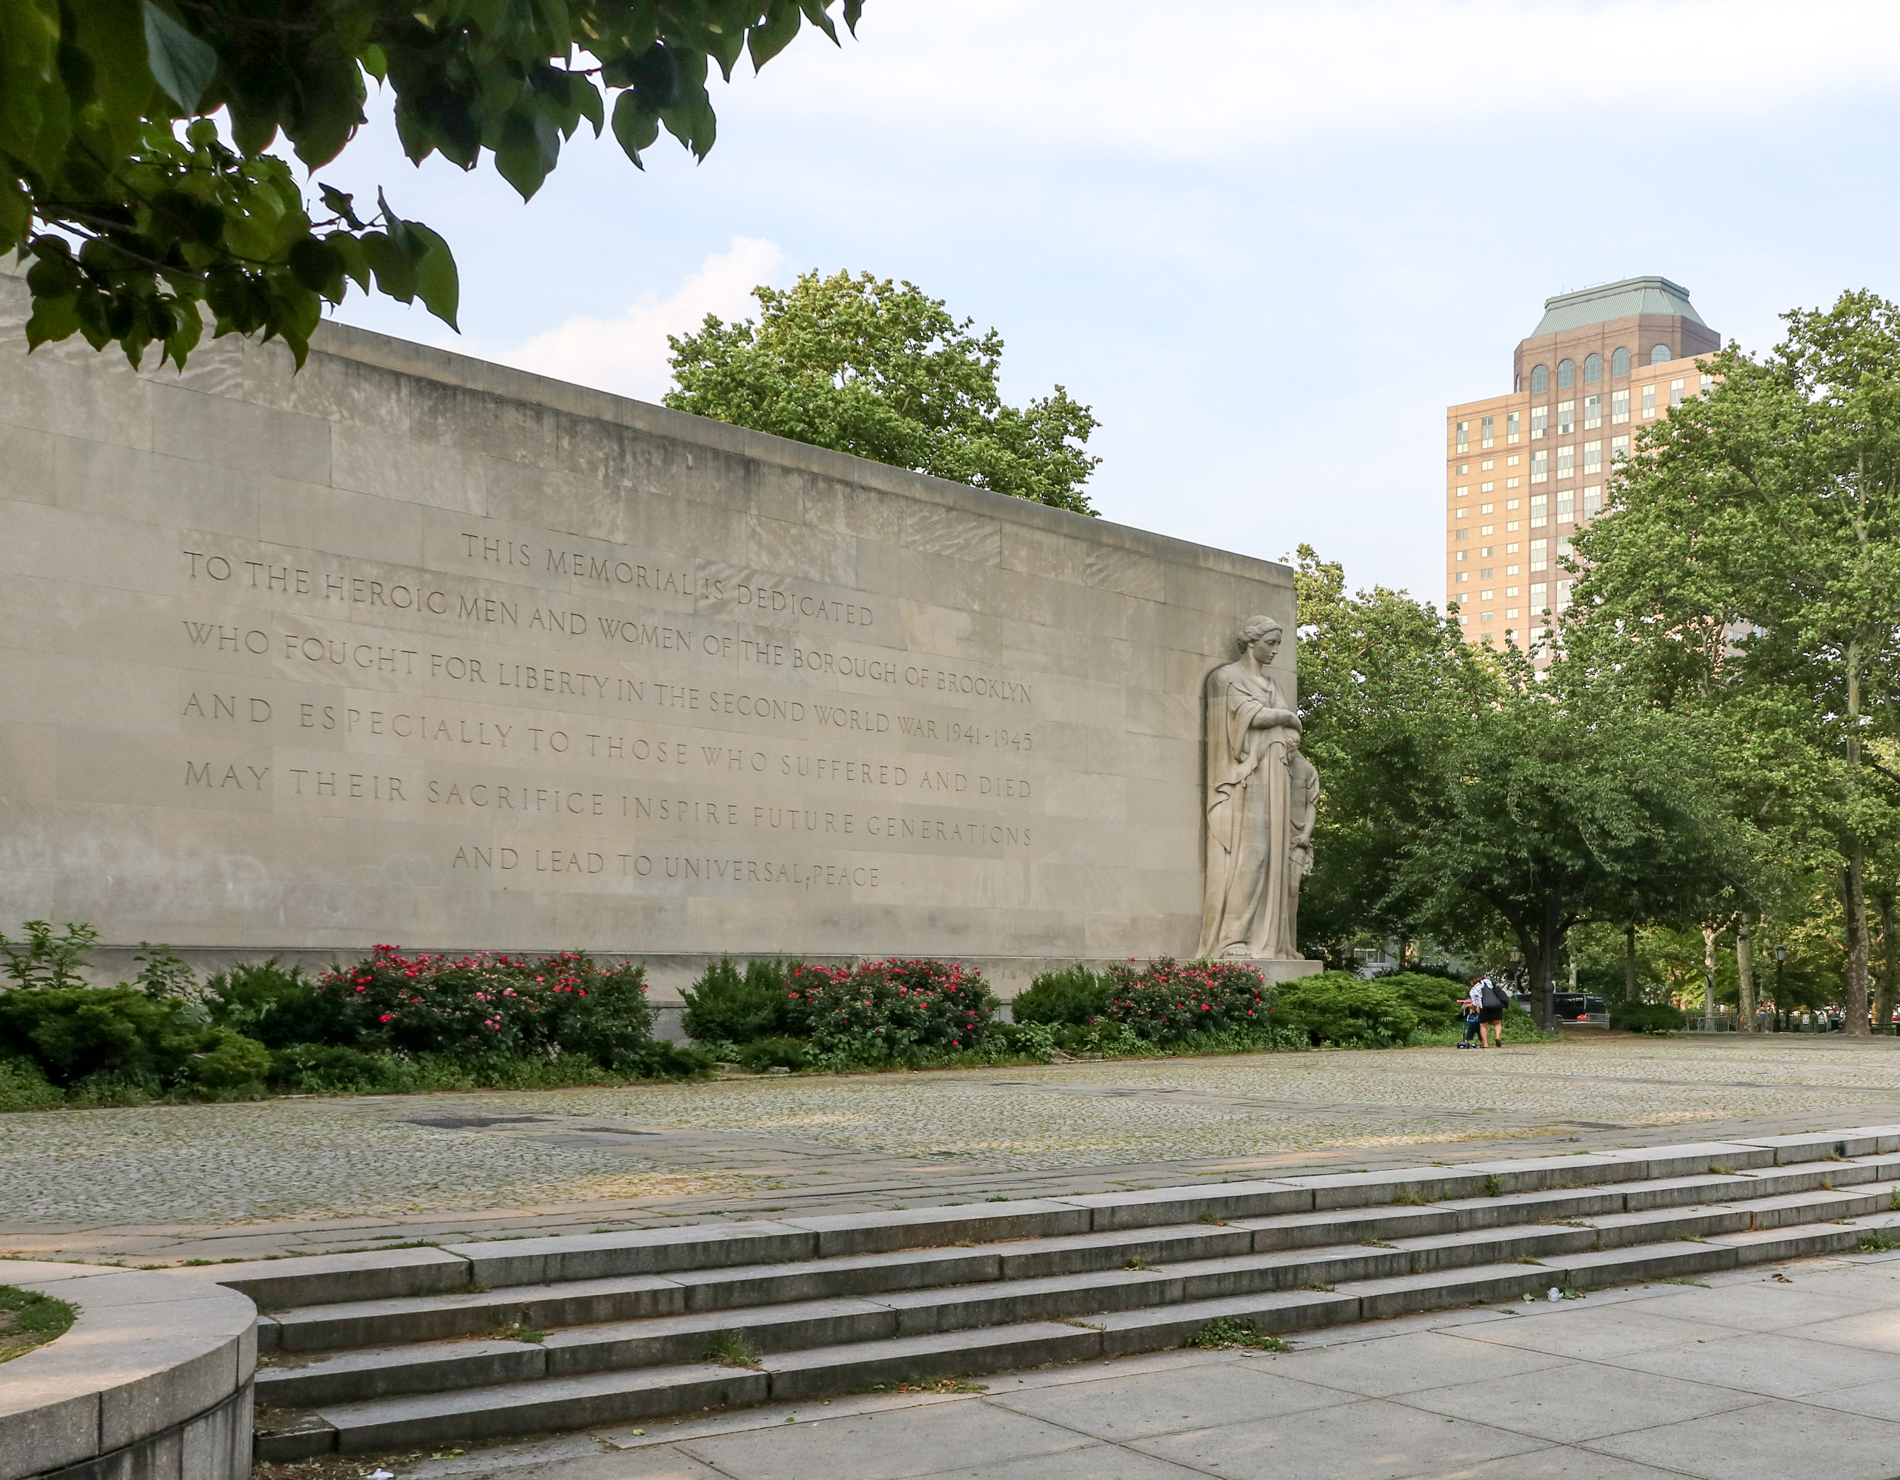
[28, 1320]
[1877, 1241]
[1222, 1333]
[519, 1332]
[731, 1349]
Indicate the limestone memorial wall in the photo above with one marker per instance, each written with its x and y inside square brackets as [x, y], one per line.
[411, 648]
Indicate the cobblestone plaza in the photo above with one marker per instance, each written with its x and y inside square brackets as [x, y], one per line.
[300, 1175]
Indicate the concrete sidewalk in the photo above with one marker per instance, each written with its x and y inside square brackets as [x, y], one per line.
[1763, 1374]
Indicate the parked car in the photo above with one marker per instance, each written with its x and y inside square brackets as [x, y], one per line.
[1579, 1007]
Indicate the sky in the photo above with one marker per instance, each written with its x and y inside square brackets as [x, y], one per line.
[1268, 243]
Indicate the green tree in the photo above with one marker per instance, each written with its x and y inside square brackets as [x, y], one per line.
[1749, 569]
[883, 371]
[1380, 676]
[138, 208]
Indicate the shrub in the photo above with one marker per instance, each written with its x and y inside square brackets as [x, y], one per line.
[772, 1053]
[1434, 999]
[72, 1033]
[727, 1006]
[1166, 1001]
[44, 959]
[1073, 996]
[229, 1061]
[1030, 1040]
[883, 1010]
[1338, 1008]
[277, 1007]
[1647, 1017]
[484, 1006]
[24, 1087]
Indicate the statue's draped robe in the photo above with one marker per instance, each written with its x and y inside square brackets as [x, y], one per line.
[1251, 890]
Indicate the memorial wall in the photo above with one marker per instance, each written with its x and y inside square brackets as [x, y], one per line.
[412, 648]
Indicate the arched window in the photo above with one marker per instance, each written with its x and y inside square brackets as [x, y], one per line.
[1659, 354]
[1620, 363]
[1540, 380]
[1592, 369]
[1566, 374]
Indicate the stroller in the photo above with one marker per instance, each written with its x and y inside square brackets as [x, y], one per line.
[1470, 1011]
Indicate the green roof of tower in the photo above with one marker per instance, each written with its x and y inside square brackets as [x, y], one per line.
[1620, 300]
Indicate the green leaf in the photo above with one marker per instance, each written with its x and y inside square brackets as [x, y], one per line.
[529, 146]
[319, 267]
[395, 270]
[438, 284]
[634, 126]
[52, 319]
[781, 24]
[182, 64]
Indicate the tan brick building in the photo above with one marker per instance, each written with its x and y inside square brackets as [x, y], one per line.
[1524, 470]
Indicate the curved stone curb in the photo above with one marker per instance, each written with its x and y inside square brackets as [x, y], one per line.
[153, 1380]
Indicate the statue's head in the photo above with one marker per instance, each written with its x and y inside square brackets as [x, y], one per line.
[1262, 637]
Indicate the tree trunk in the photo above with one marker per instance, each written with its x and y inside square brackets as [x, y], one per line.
[1744, 975]
[1854, 912]
[1709, 933]
[1883, 1002]
[1550, 939]
[1629, 964]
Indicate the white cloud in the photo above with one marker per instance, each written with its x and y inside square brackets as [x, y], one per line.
[628, 355]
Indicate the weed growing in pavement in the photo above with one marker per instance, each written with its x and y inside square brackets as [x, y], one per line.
[1893, 1202]
[519, 1332]
[1877, 1241]
[1318, 1288]
[1411, 1197]
[1221, 1333]
[1720, 1169]
[935, 1385]
[1137, 1264]
[731, 1349]
[1376, 1243]
[1494, 1185]
[1528, 1260]
[1208, 1215]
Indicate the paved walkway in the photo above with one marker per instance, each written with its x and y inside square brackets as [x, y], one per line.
[167, 1183]
[1761, 1374]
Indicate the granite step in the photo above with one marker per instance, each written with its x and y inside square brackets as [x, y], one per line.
[564, 1400]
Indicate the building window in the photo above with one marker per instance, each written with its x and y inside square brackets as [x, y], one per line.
[1563, 547]
[1488, 464]
[1487, 595]
[1486, 616]
[1484, 553]
[1540, 554]
[1540, 466]
[1512, 482]
[1566, 463]
[1592, 458]
[1540, 380]
[1464, 436]
[1461, 512]
[1675, 394]
[1510, 428]
[1592, 499]
[1619, 406]
[1486, 487]
[1566, 374]
[1592, 412]
[1708, 384]
[1462, 553]
[1486, 508]
[1463, 534]
[1540, 508]
[1538, 592]
[1658, 354]
[1566, 506]
[1619, 449]
[1485, 575]
[1487, 427]
[1463, 575]
[1563, 594]
[1513, 547]
[1485, 529]
[1540, 421]
[1649, 400]
[1620, 363]
[1592, 368]
[1566, 418]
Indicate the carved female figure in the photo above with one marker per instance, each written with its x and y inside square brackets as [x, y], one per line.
[1261, 798]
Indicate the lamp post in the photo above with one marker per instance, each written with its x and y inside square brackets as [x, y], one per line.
[1781, 955]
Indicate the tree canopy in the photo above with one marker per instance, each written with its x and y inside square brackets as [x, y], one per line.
[1749, 570]
[884, 371]
[138, 205]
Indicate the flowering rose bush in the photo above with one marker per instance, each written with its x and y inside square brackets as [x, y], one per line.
[1168, 1000]
[881, 1010]
[487, 1005]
